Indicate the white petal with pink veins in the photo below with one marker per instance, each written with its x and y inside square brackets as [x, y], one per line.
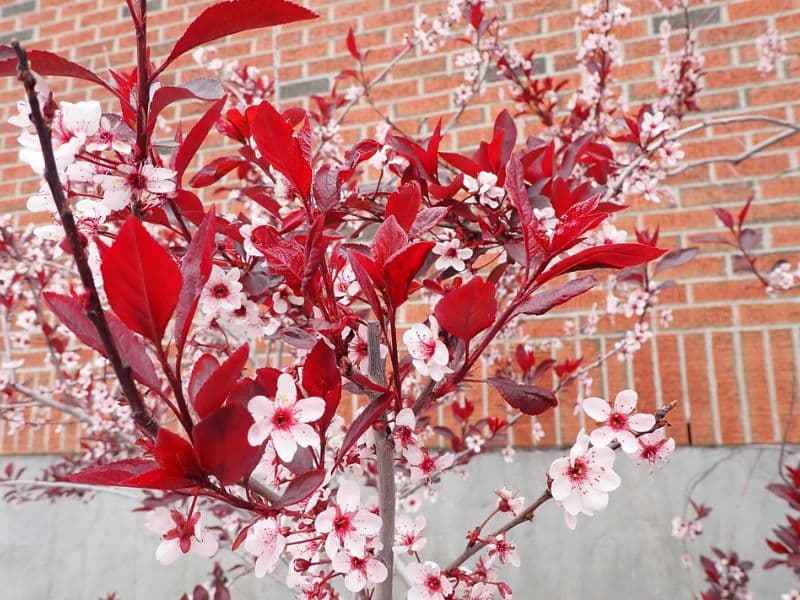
[595, 500]
[602, 436]
[627, 441]
[309, 409]
[366, 522]
[641, 422]
[304, 435]
[355, 581]
[287, 390]
[261, 408]
[625, 402]
[597, 408]
[285, 444]
[324, 521]
[603, 457]
[608, 481]
[348, 495]
[406, 418]
[258, 432]
[558, 467]
[168, 551]
[376, 571]
[561, 488]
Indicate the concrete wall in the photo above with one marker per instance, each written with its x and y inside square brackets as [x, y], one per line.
[75, 551]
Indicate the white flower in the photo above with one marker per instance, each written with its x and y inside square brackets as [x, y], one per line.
[222, 291]
[429, 354]
[131, 181]
[345, 283]
[408, 534]
[247, 235]
[619, 424]
[582, 480]
[405, 425]
[451, 255]
[286, 420]
[474, 443]
[265, 541]
[346, 523]
[485, 188]
[653, 124]
[180, 535]
[428, 582]
[359, 570]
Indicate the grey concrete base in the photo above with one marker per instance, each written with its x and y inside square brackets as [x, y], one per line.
[74, 551]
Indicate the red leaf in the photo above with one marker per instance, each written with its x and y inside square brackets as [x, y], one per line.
[743, 213]
[314, 254]
[321, 378]
[195, 270]
[404, 204]
[467, 310]
[204, 367]
[235, 16]
[389, 239]
[221, 444]
[544, 301]
[426, 219]
[202, 88]
[613, 256]
[528, 399]
[216, 388]
[401, 269]
[215, 170]
[352, 48]
[675, 258]
[47, 63]
[724, 216]
[197, 134]
[327, 188]
[371, 413]
[116, 473]
[176, 455]
[365, 281]
[141, 280]
[72, 313]
[240, 537]
[300, 488]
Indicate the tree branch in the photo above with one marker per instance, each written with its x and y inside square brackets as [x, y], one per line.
[384, 450]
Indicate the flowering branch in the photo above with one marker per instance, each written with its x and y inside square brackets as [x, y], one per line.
[140, 413]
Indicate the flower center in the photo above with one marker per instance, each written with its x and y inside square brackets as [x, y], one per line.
[433, 583]
[137, 180]
[220, 291]
[618, 420]
[282, 418]
[577, 472]
[342, 524]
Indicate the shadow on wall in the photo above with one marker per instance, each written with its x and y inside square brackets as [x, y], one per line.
[74, 551]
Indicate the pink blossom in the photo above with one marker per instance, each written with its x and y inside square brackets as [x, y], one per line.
[346, 523]
[358, 351]
[423, 465]
[654, 447]
[582, 480]
[508, 501]
[429, 354]
[180, 535]
[504, 551]
[359, 570]
[283, 299]
[223, 291]
[619, 423]
[408, 534]
[485, 189]
[265, 541]
[451, 255]
[131, 180]
[428, 582]
[285, 420]
[405, 424]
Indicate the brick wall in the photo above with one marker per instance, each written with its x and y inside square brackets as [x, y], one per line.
[730, 357]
